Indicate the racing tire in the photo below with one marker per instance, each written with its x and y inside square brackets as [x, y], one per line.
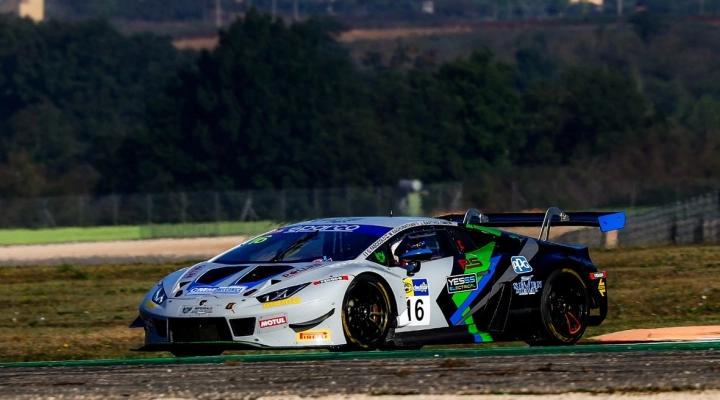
[366, 313]
[564, 308]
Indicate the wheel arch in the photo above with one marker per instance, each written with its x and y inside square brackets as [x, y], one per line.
[388, 287]
[582, 268]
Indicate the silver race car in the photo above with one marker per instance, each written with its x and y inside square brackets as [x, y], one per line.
[384, 282]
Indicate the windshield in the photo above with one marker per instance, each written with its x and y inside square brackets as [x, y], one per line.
[306, 243]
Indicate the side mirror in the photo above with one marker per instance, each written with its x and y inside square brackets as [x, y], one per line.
[414, 257]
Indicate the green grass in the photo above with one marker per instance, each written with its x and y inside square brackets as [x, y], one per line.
[108, 233]
[206, 229]
[83, 312]
[59, 235]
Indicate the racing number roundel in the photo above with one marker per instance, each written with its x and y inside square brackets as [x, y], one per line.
[417, 293]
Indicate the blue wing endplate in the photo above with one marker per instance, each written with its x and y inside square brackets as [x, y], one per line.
[612, 222]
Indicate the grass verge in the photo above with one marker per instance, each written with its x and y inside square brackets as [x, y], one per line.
[73, 234]
[109, 233]
[82, 312]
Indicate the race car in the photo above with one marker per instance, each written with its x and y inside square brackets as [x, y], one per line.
[369, 283]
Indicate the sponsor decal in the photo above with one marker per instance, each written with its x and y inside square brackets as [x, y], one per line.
[332, 279]
[283, 302]
[520, 265]
[229, 306]
[313, 336]
[527, 286]
[470, 262]
[215, 290]
[598, 275]
[259, 239]
[300, 270]
[341, 220]
[193, 271]
[323, 228]
[380, 257]
[149, 304]
[462, 283]
[400, 228]
[420, 287]
[601, 287]
[272, 322]
[194, 310]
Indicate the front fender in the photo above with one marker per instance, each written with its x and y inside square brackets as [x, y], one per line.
[393, 277]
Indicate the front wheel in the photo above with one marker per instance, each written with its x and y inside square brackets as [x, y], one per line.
[565, 306]
[366, 313]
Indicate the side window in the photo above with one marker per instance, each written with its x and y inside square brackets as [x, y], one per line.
[443, 243]
[462, 240]
[436, 240]
[481, 238]
[381, 256]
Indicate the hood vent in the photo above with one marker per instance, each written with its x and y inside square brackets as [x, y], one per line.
[217, 274]
[263, 272]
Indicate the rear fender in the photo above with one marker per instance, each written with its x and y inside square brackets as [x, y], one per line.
[596, 282]
[598, 291]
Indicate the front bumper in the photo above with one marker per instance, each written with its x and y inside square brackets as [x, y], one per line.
[230, 322]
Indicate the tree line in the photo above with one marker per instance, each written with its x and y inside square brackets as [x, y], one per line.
[195, 10]
[85, 109]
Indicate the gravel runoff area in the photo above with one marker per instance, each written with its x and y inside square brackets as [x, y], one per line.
[126, 251]
[708, 395]
[648, 375]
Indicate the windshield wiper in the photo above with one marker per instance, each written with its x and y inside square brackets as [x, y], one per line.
[294, 246]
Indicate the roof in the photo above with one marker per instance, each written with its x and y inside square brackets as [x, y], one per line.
[390, 222]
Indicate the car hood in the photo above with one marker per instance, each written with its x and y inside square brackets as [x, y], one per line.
[212, 279]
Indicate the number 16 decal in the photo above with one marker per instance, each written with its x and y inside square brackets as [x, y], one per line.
[418, 301]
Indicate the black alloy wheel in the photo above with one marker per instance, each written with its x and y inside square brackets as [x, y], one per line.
[366, 313]
[565, 307]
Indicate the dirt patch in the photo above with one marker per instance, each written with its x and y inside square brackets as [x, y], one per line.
[210, 42]
[676, 333]
[196, 43]
[118, 251]
[396, 33]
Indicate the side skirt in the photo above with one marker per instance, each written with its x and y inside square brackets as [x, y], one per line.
[450, 335]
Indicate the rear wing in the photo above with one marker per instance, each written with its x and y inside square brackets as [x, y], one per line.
[606, 221]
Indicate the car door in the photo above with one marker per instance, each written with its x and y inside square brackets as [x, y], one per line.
[423, 286]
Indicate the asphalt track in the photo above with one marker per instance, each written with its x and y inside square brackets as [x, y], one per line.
[592, 370]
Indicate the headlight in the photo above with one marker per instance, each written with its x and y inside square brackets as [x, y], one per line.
[159, 296]
[281, 294]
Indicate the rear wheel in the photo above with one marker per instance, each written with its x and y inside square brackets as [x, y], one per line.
[565, 306]
[366, 313]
